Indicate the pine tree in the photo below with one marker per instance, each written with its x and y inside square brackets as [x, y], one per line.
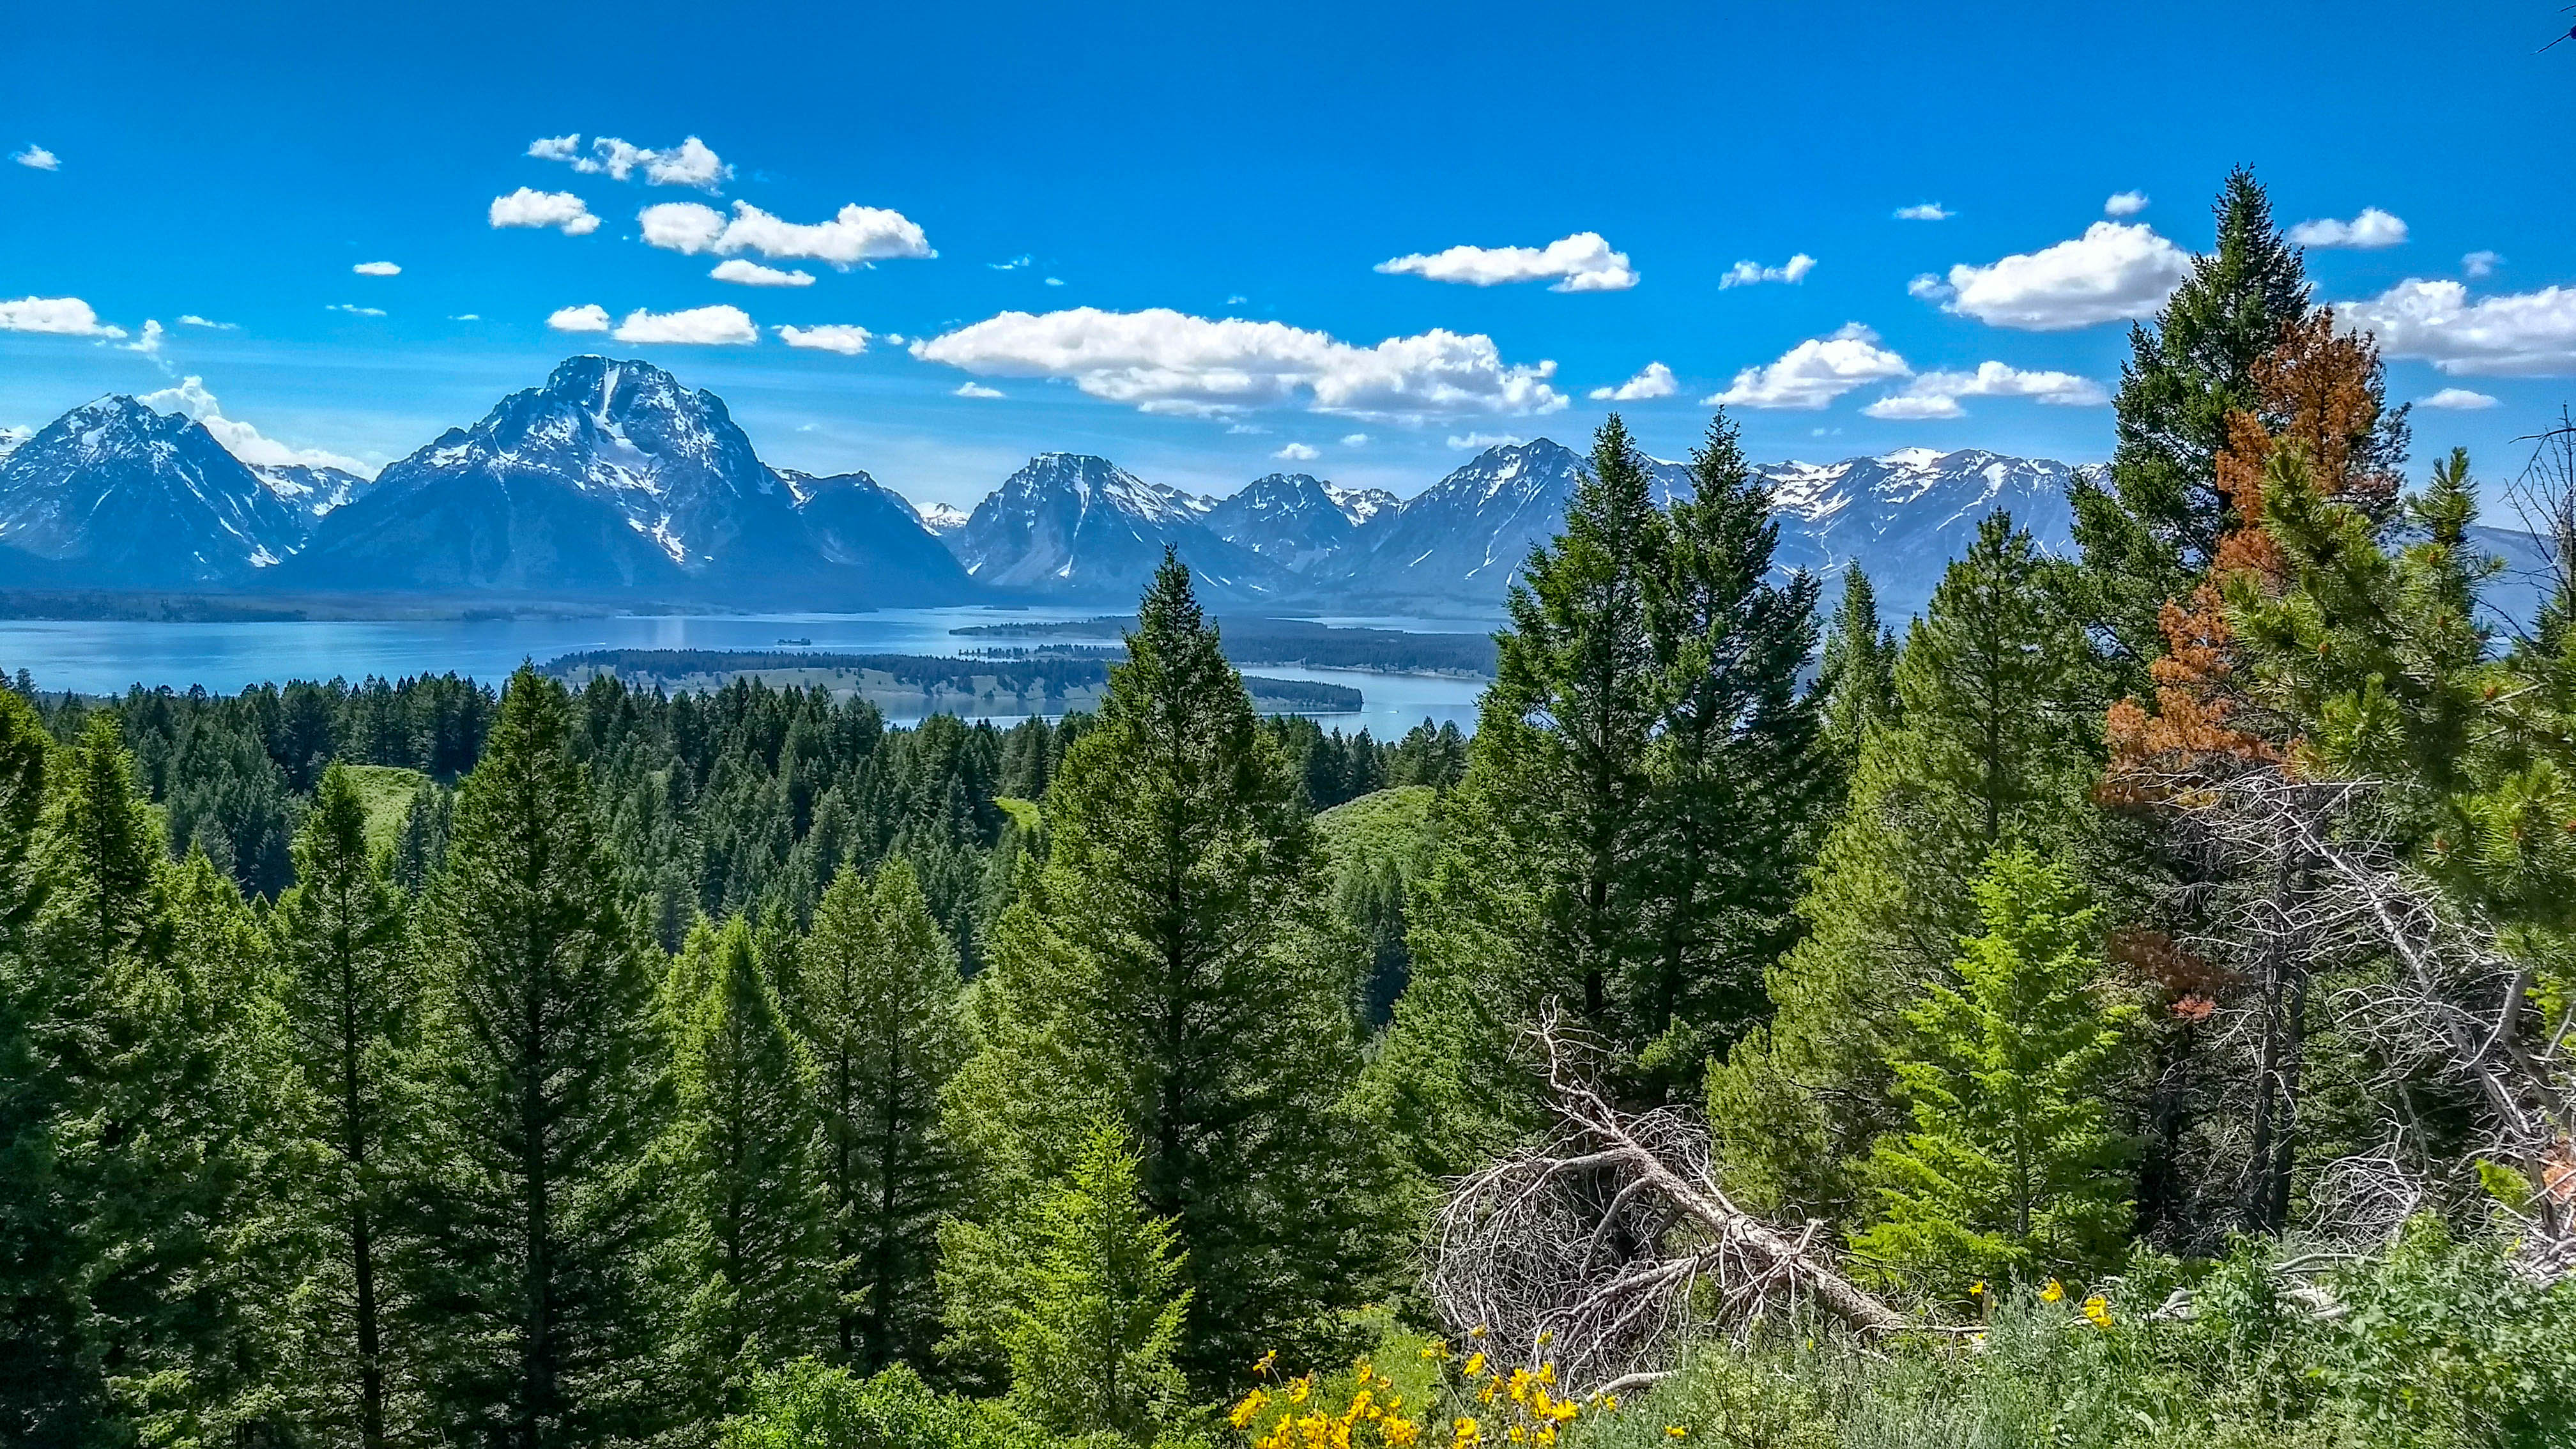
[347, 995]
[1174, 967]
[1092, 1337]
[40, 1385]
[1997, 744]
[881, 1012]
[2013, 1170]
[1857, 677]
[756, 1239]
[542, 1086]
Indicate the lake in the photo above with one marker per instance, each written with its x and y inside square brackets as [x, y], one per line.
[107, 656]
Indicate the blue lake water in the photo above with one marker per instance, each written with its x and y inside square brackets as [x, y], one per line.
[107, 656]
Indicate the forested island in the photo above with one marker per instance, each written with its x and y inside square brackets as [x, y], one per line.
[2131, 1005]
[1254, 641]
[1015, 683]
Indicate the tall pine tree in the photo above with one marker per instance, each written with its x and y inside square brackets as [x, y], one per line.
[542, 1085]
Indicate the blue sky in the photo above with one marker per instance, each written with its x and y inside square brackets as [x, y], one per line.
[1165, 169]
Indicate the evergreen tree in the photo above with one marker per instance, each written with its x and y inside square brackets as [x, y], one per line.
[347, 995]
[1174, 968]
[2013, 1170]
[542, 1085]
[1996, 744]
[756, 1240]
[36, 1376]
[881, 1012]
[1092, 1337]
[1857, 677]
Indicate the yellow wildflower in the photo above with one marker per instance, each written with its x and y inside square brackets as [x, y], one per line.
[2054, 1291]
[1251, 1405]
[1977, 1289]
[1476, 1362]
[1676, 1431]
[1476, 1332]
[2098, 1308]
[1546, 1434]
[1519, 1435]
[1400, 1433]
[1547, 1372]
[1434, 1349]
[1467, 1429]
[1547, 1337]
[1298, 1389]
[1610, 1403]
[1264, 1364]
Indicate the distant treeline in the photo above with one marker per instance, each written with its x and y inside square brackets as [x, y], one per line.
[1294, 642]
[1019, 676]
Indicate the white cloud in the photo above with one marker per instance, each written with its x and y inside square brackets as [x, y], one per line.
[2459, 399]
[1055, 281]
[1479, 442]
[1162, 361]
[2481, 264]
[688, 164]
[1354, 440]
[843, 338]
[1298, 453]
[1582, 262]
[466, 317]
[66, 316]
[2125, 203]
[976, 389]
[377, 269]
[355, 310]
[38, 158]
[2113, 271]
[528, 206]
[1937, 394]
[1253, 430]
[240, 439]
[856, 234]
[695, 326]
[2520, 334]
[1815, 372]
[1655, 381]
[191, 319]
[149, 344]
[1013, 265]
[1746, 274]
[588, 317]
[2372, 229]
[753, 274]
[1926, 211]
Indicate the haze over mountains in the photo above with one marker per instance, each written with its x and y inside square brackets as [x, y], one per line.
[614, 483]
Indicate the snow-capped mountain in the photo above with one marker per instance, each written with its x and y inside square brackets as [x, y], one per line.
[1295, 519]
[1074, 525]
[856, 522]
[942, 520]
[1464, 537]
[10, 438]
[1903, 516]
[115, 494]
[611, 478]
[312, 491]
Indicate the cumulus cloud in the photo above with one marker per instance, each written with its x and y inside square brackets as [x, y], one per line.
[856, 234]
[847, 340]
[1479, 442]
[377, 269]
[191, 399]
[1582, 262]
[1926, 211]
[588, 317]
[37, 158]
[1655, 381]
[149, 344]
[1815, 372]
[1298, 453]
[2520, 334]
[65, 316]
[976, 389]
[2112, 272]
[2459, 399]
[191, 319]
[355, 310]
[1162, 361]
[753, 274]
[2372, 229]
[695, 326]
[528, 206]
[1354, 440]
[2481, 264]
[2124, 203]
[1746, 274]
[688, 164]
[1937, 394]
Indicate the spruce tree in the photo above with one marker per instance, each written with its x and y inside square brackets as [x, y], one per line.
[36, 1377]
[756, 1240]
[1174, 968]
[1856, 678]
[347, 995]
[542, 1085]
[881, 1012]
[2013, 1169]
[1098, 1318]
[1997, 744]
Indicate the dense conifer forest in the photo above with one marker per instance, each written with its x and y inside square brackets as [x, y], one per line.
[2132, 1003]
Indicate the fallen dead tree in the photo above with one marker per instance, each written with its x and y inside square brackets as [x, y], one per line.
[1603, 1246]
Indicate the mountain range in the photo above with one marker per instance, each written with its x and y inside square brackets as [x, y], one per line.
[614, 483]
